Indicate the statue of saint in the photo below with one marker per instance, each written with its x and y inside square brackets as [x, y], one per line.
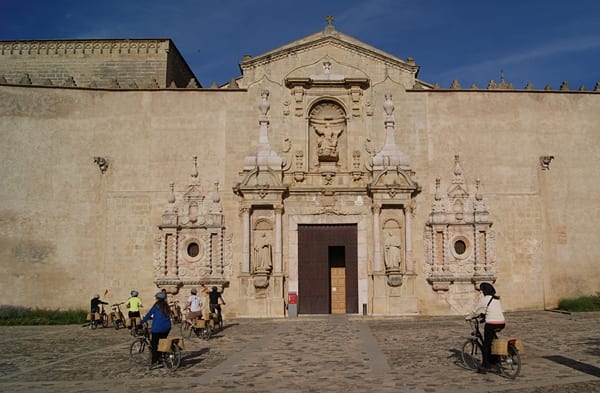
[263, 254]
[327, 139]
[392, 252]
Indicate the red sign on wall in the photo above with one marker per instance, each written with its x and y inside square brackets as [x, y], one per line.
[292, 298]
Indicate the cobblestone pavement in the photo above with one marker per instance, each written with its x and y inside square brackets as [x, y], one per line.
[308, 354]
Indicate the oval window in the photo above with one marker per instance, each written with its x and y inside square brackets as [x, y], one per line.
[460, 247]
[193, 249]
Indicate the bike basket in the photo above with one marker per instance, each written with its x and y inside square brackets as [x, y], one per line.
[164, 344]
[200, 323]
[518, 344]
[500, 346]
[179, 342]
[88, 317]
[211, 323]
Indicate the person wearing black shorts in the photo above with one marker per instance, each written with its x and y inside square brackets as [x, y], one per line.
[213, 301]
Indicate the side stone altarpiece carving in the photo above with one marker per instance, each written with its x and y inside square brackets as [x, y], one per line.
[192, 247]
[459, 240]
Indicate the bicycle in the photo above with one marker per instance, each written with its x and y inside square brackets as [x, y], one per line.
[116, 316]
[509, 364]
[140, 350]
[134, 326]
[216, 316]
[176, 315]
[200, 327]
[98, 318]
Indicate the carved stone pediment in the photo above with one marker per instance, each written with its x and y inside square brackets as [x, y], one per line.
[191, 247]
[326, 72]
[459, 240]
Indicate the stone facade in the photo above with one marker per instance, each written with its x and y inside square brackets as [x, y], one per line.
[106, 191]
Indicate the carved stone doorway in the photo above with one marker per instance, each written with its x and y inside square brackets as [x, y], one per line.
[324, 250]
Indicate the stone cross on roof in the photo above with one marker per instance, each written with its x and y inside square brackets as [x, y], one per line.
[329, 20]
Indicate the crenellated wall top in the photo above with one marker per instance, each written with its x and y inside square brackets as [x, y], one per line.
[98, 47]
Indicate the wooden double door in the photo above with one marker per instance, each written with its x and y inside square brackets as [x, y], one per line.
[327, 269]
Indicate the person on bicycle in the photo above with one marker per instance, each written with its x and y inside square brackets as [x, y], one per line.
[490, 306]
[194, 305]
[95, 304]
[134, 303]
[213, 301]
[161, 323]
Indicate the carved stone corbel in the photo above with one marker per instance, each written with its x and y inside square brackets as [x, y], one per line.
[260, 279]
[357, 174]
[298, 94]
[440, 281]
[394, 278]
[299, 173]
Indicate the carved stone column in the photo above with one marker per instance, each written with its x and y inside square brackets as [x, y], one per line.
[277, 265]
[409, 263]
[376, 238]
[246, 240]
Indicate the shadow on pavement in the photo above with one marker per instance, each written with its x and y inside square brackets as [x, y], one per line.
[194, 357]
[574, 364]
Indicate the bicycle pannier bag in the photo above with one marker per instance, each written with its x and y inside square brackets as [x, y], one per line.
[500, 346]
[200, 323]
[164, 345]
[519, 345]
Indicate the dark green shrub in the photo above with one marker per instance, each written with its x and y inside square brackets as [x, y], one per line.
[18, 315]
[582, 303]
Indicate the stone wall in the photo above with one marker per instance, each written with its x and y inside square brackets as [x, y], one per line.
[69, 230]
[126, 64]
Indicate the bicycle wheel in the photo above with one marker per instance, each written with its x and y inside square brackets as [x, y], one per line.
[104, 320]
[186, 330]
[510, 365]
[172, 359]
[138, 352]
[472, 354]
[93, 324]
[206, 332]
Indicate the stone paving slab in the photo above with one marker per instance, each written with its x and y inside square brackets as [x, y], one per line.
[307, 354]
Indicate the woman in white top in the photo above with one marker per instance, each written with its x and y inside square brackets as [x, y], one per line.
[490, 306]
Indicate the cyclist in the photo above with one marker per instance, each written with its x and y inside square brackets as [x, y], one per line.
[194, 305]
[95, 308]
[490, 306]
[95, 304]
[134, 303]
[161, 324]
[213, 296]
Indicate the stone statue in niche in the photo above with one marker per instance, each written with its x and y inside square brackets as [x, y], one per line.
[328, 122]
[328, 133]
[392, 253]
[263, 255]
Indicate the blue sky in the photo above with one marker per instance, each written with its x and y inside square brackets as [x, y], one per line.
[538, 41]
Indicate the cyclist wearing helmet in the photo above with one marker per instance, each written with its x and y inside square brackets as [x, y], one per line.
[95, 304]
[161, 323]
[489, 305]
[134, 303]
[194, 305]
[214, 295]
